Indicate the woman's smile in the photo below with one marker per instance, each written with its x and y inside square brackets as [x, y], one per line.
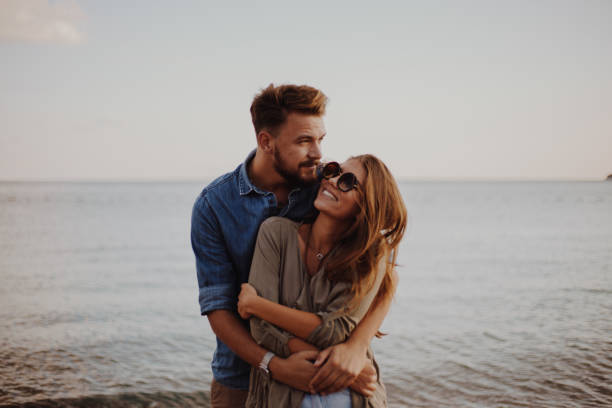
[327, 193]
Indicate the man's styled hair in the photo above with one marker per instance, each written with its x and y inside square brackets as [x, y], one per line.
[272, 105]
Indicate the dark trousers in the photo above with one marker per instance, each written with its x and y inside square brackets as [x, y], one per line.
[225, 397]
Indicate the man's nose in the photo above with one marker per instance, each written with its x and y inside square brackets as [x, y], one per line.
[315, 151]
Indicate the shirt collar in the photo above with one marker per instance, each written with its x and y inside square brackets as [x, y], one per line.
[244, 184]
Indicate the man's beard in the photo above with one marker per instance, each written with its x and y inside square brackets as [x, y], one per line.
[292, 176]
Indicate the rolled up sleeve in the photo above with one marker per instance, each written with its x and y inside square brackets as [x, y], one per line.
[338, 321]
[217, 281]
[270, 337]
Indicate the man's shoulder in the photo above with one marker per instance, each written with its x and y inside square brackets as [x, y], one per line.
[220, 186]
[222, 183]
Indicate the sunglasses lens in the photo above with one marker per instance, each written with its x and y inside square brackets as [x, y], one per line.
[347, 182]
[330, 170]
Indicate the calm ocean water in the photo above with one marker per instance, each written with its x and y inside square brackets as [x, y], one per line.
[505, 297]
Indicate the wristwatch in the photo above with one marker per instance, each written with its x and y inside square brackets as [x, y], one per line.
[263, 364]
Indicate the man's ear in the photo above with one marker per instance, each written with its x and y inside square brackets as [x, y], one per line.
[265, 141]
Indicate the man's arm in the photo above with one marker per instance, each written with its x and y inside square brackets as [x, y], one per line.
[218, 297]
[295, 371]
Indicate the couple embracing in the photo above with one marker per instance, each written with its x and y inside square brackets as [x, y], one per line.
[295, 264]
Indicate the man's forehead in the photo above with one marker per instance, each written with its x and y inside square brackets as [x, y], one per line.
[310, 125]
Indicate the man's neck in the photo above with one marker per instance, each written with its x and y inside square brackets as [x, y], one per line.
[262, 174]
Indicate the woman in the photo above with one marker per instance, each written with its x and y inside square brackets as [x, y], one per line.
[310, 284]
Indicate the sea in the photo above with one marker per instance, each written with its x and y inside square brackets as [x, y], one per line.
[505, 296]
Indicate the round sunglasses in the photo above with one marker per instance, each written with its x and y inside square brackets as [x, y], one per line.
[346, 182]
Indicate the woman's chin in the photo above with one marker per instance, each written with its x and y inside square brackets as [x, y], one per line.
[323, 205]
[317, 204]
[331, 211]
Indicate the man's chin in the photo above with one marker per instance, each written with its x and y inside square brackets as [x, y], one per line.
[308, 177]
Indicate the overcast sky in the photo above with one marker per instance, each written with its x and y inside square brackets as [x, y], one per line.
[149, 90]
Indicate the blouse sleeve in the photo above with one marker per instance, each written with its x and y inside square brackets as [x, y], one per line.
[264, 277]
[337, 321]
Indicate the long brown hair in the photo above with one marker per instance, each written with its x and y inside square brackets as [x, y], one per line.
[374, 236]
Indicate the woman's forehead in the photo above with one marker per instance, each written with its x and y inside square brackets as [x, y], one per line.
[354, 166]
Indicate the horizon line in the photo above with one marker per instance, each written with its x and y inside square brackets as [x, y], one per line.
[208, 180]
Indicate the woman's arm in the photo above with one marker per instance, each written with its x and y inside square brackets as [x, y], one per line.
[350, 357]
[296, 322]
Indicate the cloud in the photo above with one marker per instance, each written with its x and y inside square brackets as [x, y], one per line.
[40, 22]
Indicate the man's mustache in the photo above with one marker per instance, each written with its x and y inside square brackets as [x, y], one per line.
[310, 163]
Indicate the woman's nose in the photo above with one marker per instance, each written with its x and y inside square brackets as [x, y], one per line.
[333, 181]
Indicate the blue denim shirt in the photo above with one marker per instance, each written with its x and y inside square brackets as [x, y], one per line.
[224, 224]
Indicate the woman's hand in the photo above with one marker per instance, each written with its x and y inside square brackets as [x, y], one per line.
[339, 366]
[246, 298]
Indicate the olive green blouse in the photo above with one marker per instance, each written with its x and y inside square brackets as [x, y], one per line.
[279, 274]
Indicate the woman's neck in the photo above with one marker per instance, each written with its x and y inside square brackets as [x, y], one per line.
[326, 232]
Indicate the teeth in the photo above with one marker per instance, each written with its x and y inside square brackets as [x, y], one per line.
[327, 193]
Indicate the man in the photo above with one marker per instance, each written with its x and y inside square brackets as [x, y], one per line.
[277, 179]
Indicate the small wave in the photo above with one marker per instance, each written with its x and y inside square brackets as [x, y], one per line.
[150, 400]
[598, 291]
[493, 337]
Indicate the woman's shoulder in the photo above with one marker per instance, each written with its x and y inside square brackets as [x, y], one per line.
[277, 223]
[277, 231]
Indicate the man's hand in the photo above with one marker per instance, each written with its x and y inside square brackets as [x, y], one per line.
[339, 367]
[247, 295]
[296, 371]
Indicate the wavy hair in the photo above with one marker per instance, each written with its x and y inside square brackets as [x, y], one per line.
[373, 237]
[271, 106]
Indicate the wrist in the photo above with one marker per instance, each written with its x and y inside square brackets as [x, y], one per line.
[251, 306]
[275, 366]
[358, 345]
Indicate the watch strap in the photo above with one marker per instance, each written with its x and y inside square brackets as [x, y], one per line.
[263, 364]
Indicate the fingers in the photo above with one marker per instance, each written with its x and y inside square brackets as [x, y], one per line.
[368, 390]
[365, 384]
[309, 355]
[246, 288]
[369, 368]
[341, 382]
[323, 355]
[327, 381]
[320, 376]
